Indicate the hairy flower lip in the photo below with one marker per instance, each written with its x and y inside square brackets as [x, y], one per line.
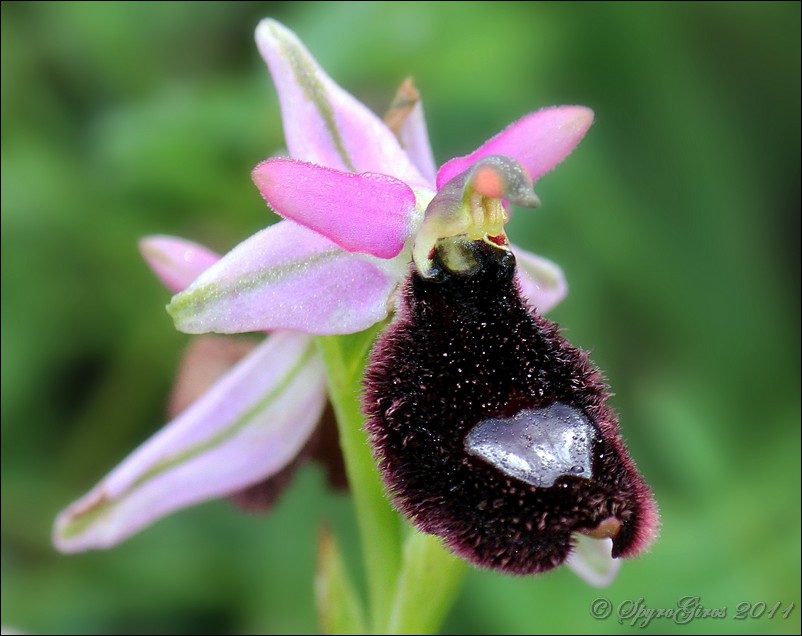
[459, 394]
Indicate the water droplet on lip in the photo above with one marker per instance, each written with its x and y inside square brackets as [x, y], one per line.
[536, 446]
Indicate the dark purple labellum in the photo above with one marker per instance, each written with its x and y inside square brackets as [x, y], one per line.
[493, 432]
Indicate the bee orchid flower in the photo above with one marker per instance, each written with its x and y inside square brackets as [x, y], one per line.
[360, 201]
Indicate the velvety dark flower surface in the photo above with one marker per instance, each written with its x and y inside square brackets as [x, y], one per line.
[465, 350]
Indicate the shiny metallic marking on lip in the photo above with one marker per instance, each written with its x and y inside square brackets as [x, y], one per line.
[536, 446]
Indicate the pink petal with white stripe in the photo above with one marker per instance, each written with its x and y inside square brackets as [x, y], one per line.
[538, 141]
[366, 213]
[288, 277]
[247, 427]
[324, 124]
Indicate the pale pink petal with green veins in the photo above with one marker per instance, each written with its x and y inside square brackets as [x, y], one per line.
[366, 213]
[324, 124]
[538, 141]
[288, 277]
[176, 261]
[246, 428]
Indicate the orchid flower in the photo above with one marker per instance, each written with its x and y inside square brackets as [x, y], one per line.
[360, 201]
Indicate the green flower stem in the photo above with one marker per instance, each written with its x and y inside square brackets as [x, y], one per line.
[427, 588]
[345, 358]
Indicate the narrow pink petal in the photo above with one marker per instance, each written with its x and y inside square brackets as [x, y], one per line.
[288, 277]
[542, 281]
[246, 428]
[592, 562]
[414, 139]
[323, 123]
[175, 261]
[538, 141]
[366, 213]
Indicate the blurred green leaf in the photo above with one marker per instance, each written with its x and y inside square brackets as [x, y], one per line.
[338, 605]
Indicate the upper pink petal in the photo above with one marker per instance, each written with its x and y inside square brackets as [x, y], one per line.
[538, 141]
[366, 213]
[247, 427]
[323, 123]
[542, 281]
[288, 277]
[176, 261]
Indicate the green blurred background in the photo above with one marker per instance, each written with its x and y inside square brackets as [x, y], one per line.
[676, 221]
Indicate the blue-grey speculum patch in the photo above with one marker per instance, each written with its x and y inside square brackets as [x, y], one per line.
[536, 445]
